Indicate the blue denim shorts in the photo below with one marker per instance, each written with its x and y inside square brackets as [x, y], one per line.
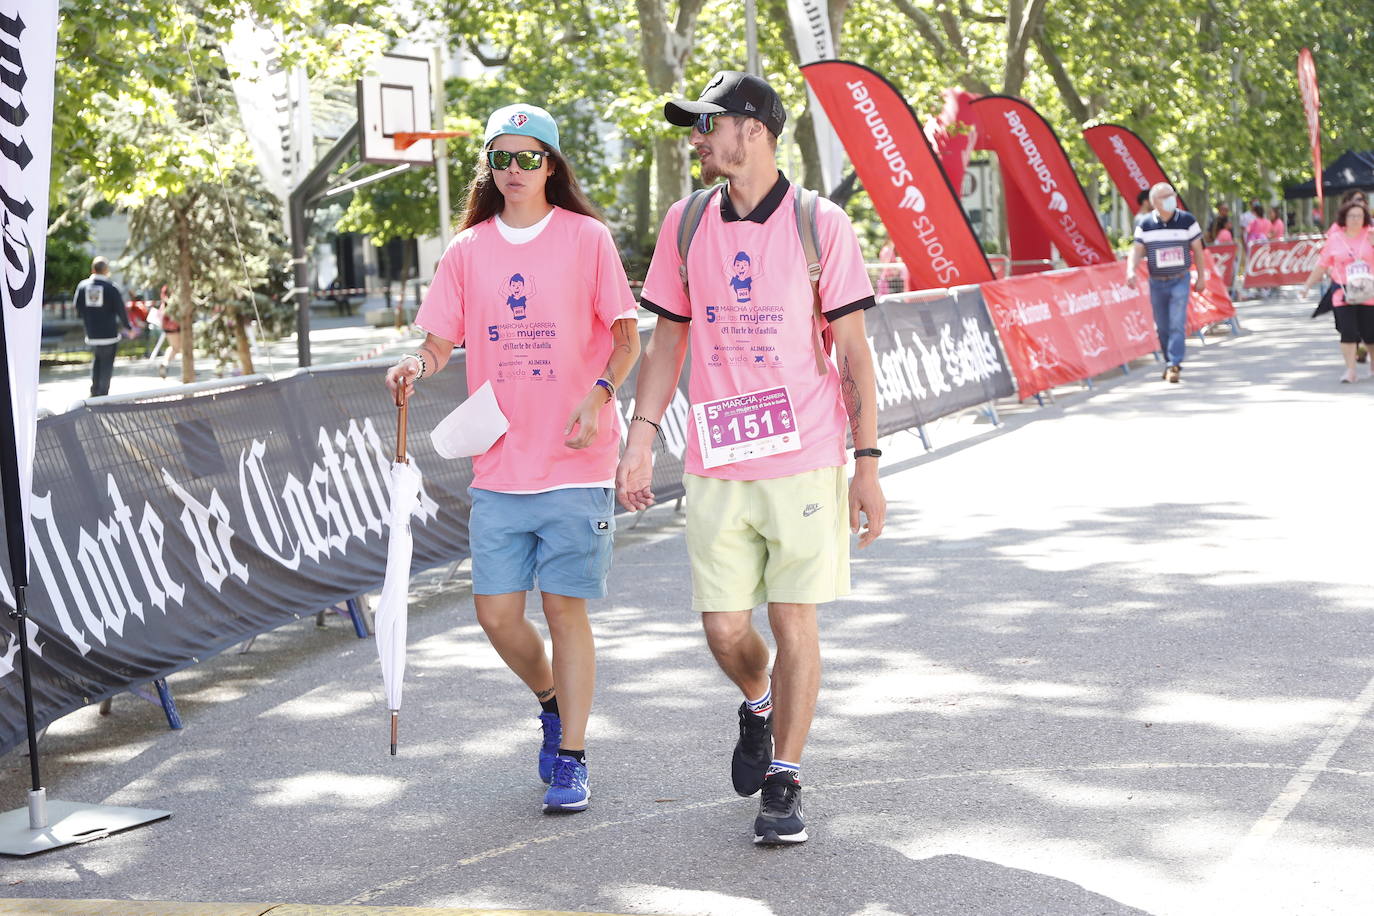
[562, 538]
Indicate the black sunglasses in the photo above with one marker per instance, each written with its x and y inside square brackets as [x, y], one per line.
[707, 122]
[528, 159]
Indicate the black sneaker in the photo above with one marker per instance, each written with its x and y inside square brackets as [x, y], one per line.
[753, 751]
[780, 815]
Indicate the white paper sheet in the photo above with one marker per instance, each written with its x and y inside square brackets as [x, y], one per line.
[472, 427]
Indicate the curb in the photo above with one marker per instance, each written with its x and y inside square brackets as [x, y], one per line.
[173, 908]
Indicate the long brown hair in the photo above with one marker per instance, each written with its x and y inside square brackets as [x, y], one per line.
[485, 200]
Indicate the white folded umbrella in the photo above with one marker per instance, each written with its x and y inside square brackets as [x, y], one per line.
[389, 620]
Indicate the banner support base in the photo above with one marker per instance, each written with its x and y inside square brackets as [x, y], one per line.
[27, 831]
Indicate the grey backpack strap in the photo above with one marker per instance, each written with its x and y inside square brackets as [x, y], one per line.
[804, 206]
[691, 218]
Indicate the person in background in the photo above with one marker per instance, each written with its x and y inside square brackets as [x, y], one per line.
[1221, 234]
[101, 308]
[1276, 225]
[1257, 229]
[1247, 216]
[1142, 206]
[890, 279]
[1349, 258]
[1223, 212]
[1170, 240]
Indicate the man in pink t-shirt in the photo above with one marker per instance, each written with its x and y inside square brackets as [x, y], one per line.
[768, 509]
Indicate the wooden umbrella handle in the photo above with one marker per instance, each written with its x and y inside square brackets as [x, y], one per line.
[401, 423]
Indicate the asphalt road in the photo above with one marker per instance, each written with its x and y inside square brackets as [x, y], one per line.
[1114, 657]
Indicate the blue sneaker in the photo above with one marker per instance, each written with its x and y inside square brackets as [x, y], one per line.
[568, 790]
[553, 736]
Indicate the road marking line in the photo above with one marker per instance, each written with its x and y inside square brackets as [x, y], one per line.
[1270, 822]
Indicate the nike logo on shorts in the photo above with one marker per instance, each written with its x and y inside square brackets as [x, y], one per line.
[811, 509]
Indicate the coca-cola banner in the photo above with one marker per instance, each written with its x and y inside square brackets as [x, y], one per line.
[893, 159]
[1285, 262]
[1066, 325]
[1032, 158]
[1128, 160]
[1225, 260]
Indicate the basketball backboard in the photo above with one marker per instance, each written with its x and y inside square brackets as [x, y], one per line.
[396, 97]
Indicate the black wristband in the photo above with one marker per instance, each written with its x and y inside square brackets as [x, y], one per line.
[868, 453]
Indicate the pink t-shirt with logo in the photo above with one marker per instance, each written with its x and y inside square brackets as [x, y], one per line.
[752, 327]
[1341, 251]
[536, 318]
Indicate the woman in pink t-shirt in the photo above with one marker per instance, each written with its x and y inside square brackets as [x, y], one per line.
[1349, 257]
[534, 289]
[1276, 226]
[1257, 230]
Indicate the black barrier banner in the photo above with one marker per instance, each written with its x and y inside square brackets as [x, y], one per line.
[166, 531]
[934, 357]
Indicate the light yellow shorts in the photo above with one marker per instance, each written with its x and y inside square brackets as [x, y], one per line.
[781, 540]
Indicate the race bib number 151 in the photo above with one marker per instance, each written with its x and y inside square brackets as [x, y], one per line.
[746, 426]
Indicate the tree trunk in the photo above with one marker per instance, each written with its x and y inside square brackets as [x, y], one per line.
[643, 188]
[241, 338]
[186, 311]
[1023, 21]
[663, 50]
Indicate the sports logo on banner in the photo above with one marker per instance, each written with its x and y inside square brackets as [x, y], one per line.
[901, 174]
[1031, 157]
[1225, 261]
[1130, 163]
[1312, 107]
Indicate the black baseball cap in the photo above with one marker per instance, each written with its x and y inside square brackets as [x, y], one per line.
[731, 92]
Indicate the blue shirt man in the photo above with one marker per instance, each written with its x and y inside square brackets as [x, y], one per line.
[1171, 242]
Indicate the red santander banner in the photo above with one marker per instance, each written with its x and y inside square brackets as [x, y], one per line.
[1067, 325]
[1130, 163]
[1031, 157]
[1312, 107]
[899, 170]
[1225, 260]
[1285, 262]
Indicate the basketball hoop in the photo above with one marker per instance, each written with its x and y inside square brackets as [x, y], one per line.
[404, 139]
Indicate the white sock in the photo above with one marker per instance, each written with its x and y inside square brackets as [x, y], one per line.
[763, 706]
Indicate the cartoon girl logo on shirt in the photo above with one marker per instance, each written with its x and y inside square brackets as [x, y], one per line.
[742, 270]
[516, 290]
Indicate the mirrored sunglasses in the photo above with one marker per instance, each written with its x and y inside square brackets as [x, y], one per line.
[528, 159]
[707, 122]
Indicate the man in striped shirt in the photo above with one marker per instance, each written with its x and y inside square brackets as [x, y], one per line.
[1171, 242]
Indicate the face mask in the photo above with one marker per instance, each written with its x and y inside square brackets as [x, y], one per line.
[1168, 204]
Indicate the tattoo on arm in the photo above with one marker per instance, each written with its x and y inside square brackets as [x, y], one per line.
[853, 403]
[622, 346]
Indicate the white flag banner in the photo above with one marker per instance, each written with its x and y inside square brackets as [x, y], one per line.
[811, 25]
[273, 102]
[28, 55]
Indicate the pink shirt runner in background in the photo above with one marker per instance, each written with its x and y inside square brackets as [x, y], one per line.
[1258, 230]
[1340, 250]
[751, 316]
[536, 318]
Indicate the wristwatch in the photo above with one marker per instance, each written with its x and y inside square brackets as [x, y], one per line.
[868, 453]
